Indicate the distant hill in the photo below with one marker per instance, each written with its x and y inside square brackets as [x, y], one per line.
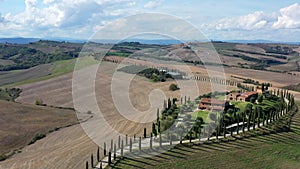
[142, 41]
[260, 41]
[18, 40]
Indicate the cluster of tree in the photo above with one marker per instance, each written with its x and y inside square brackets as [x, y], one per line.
[251, 81]
[168, 116]
[211, 95]
[10, 94]
[256, 113]
[245, 87]
[261, 64]
[150, 73]
[265, 86]
[25, 57]
[279, 50]
[258, 53]
[215, 80]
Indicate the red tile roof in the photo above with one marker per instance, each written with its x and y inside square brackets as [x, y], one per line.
[247, 94]
[212, 101]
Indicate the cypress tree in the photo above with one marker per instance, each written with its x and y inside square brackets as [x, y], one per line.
[98, 154]
[87, 165]
[224, 132]
[157, 115]
[119, 142]
[115, 151]
[151, 141]
[130, 145]
[158, 127]
[92, 161]
[104, 149]
[140, 143]
[169, 103]
[154, 131]
[109, 157]
[160, 140]
[238, 124]
[243, 127]
[122, 147]
[258, 118]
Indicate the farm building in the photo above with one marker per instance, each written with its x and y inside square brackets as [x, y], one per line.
[245, 97]
[233, 96]
[212, 104]
[259, 89]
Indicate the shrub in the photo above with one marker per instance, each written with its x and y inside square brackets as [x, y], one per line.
[3, 157]
[173, 87]
[37, 137]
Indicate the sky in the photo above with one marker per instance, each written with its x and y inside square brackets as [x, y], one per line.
[216, 19]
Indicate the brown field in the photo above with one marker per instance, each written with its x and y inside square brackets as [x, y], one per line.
[7, 77]
[246, 47]
[20, 122]
[290, 66]
[232, 61]
[67, 148]
[297, 49]
[75, 146]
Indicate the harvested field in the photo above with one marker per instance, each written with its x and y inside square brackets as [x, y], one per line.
[143, 96]
[7, 77]
[290, 66]
[19, 123]
[67, 148]
[277, 79]
[246, 47]
[233, 61]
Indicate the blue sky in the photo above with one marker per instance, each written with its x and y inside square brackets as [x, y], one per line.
[217, 19]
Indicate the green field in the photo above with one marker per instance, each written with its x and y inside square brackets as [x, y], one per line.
[56, 69]
[200, 113]
[242, 105]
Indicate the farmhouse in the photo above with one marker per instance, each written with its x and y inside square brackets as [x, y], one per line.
[211, 104]
[245, 97]
[233, 96]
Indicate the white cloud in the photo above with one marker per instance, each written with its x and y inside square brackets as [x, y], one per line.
[256, 20]
[286, 18]
[152, 4]
[289, 17]
[64, 15]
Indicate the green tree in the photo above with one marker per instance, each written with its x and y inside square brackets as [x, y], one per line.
[158, 127]
[173, 87]
[92, 161]
[98, 154]
[260, 99]
[169, 103]
[252, 99]
[154, 131]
